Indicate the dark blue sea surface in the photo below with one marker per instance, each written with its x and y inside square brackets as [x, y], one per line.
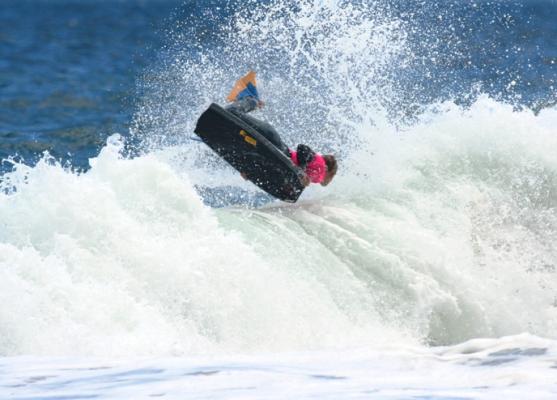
[507, 49]
[71, 70]
[68, 72]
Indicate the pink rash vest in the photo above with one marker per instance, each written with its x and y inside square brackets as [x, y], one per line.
[315, 170]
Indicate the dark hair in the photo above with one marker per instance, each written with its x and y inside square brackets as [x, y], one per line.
[331, 163]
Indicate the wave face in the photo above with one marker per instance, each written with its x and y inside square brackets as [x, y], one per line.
[448, 234]
[441, 226]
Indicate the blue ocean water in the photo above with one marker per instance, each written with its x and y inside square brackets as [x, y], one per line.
[71, 71]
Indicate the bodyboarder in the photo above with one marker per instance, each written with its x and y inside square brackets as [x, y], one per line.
[244, 98]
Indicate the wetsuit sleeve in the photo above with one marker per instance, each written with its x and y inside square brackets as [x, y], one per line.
[305, 155]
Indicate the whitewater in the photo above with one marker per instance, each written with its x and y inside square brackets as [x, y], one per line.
[460, 244]
[426, 270]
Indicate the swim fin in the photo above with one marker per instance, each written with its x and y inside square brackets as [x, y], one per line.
[246, 86]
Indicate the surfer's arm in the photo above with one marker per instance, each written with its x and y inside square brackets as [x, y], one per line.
[304, 179]
[305, 155]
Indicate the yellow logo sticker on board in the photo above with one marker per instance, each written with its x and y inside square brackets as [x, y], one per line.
[248, 138]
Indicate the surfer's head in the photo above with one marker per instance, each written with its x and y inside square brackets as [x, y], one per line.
[331, 163]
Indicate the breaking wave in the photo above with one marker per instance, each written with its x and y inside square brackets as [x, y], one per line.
[441, 226]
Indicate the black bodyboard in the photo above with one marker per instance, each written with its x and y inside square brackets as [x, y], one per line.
[250, 152]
